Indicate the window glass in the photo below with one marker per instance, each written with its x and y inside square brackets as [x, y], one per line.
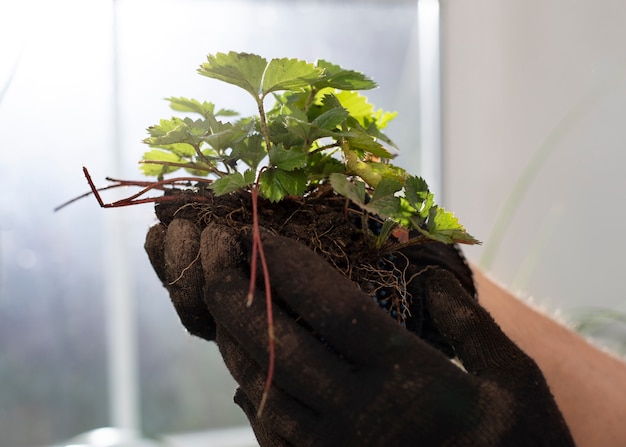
[83, 79]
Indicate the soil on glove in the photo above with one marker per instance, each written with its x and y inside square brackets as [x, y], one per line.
[327, 224]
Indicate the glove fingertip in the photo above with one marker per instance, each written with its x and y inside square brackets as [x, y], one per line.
[220, 249]
[184, 278]
[154, 244]
[478, 341]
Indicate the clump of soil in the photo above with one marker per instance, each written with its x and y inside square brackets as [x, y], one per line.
[327, 224]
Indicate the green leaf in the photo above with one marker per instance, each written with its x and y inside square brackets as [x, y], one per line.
[289, 74]
[167, 134]
[361, 110]
[152, 169]
[330, 119]
[386, 187]
[352, 189]
[204, 108]
[191, 105]
[196, 128]
[418, 195]
[385, 232]
[224, 135]
[305, 131]
[275, 184]
[355, 190]
[386, 206]
[244, 70]
[163, 128]
[250, 150]
[287, 159]
[359, 140]
[321, 165]
[339, 78]
[173, 131]
[443, 226]
[182, 150]
[249, 176]
[279, 134]
[381, 118]
[230, 183]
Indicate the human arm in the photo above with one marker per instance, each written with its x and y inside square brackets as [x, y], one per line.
[589, 385]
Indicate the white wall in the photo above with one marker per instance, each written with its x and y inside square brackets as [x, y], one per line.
[536, 90]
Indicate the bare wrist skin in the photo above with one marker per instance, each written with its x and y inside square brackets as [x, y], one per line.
[589, 385]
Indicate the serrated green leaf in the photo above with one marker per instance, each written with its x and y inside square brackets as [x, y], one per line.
[419, 196]
[359, 140]
[289, 108]
[279, 134]
[249, 176]
[443, 226]
[356, 104]
[298, 128]
[250, 150]
[181, 149]
[289, 74]
[226, 112]
[386, 187]
[287, 159]
[196, 128]
[275, 184]
[191, 105]
[330, 119]
[355, 190]
[382, 118]
[305, 131]
[162, 128]
[168, 135]
[244, 70]
[352, 189]
[224, 135]
[204, 108]
[386, 206]
[170, 132]
[229, 183]
[152, 169]
[339, 78]
[321, 165]
[363, 111]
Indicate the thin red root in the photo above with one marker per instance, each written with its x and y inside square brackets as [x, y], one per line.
[257, 251]
[257, 248]
[134, 199]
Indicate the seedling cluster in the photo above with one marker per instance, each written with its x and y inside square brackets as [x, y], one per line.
[319, 131]
[319, 134]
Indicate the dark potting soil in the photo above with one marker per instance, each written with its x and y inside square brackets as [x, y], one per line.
[328, 225]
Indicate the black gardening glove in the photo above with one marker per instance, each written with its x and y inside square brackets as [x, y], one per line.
[346, 373]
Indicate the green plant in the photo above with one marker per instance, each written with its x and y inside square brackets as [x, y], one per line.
[319, 132]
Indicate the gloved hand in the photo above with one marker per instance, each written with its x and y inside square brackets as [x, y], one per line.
[346, 373]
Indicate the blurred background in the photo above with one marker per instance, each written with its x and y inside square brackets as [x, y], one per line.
[512, 111]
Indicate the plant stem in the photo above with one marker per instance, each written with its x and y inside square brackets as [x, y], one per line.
[205, 168]
[309, 100]
[200, 154]
[359, 167]
[264, 130]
